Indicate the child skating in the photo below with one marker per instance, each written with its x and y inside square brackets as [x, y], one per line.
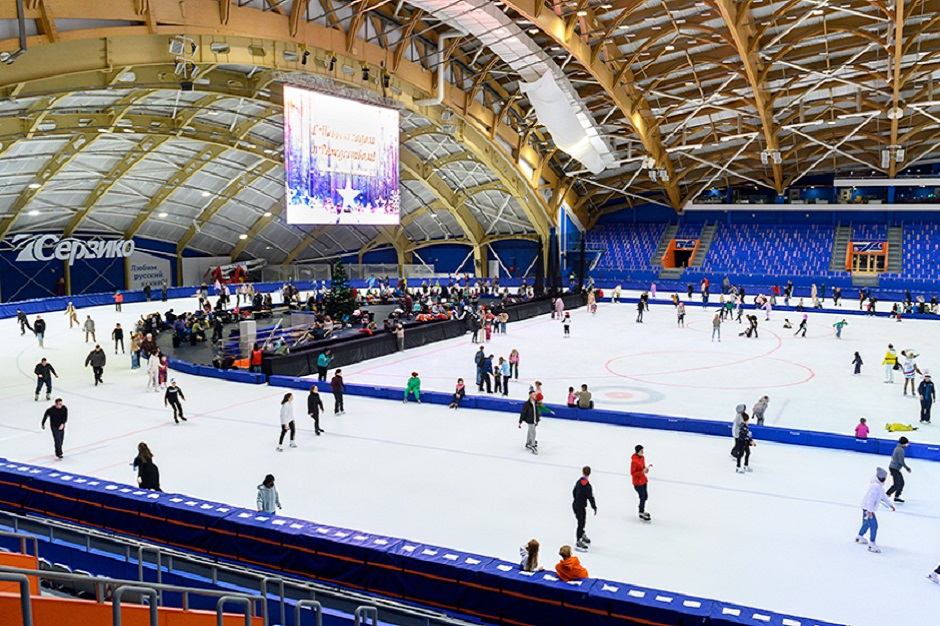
[857, 362]
[566, 324]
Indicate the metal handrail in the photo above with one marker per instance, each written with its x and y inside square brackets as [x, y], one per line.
[219, 616]
[264, 594]
[309, 587]
[141, 549]
[116, 603]
[23, 539]
[313, 604]
[119, 585]
[26, 607]
[363, 613]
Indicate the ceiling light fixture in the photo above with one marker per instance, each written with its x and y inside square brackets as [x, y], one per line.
[162, 214]
[34, 185]
[267, 213]
[582, 13]
[670, 48]
[243, 236]
[34, 213]
[533, 31]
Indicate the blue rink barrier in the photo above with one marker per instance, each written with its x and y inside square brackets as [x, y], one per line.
[490, 589]
[238, 376]
[776, 434]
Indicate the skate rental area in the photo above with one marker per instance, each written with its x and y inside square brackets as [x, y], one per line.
[463, 478]
[617, 312]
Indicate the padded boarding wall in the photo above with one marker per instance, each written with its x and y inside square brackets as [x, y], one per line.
[477, 585]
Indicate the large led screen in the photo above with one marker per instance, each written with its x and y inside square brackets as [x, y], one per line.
[340, 160]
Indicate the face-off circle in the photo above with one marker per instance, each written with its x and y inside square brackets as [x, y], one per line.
[610, 396]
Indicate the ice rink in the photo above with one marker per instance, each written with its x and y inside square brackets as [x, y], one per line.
[779, 538]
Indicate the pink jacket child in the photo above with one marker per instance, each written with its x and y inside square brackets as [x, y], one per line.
[861, 430]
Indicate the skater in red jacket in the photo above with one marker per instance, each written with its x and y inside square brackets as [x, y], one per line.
[638, 471]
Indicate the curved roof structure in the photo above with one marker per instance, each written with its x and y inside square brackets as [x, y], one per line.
[98, 135]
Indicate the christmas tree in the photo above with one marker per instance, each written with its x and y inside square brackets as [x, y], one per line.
[340, 302]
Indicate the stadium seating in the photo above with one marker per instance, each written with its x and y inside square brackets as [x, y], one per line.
[869, 232]
[628, 246]
[754, 249]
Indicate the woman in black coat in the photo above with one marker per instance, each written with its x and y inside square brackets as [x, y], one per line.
[148, 474]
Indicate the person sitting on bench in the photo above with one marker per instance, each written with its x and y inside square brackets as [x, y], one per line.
[584, 398]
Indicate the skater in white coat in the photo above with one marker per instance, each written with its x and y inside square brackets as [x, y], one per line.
[153, 372]
[873, 497]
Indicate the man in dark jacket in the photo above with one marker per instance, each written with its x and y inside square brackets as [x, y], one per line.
[478, 360]
[928, 395]
[172, 397]
[583, 493]
[530, 416]
[44, 373]
[58, 415]
[97, 359]
[23, 321]
[486, 369]
[314, 406]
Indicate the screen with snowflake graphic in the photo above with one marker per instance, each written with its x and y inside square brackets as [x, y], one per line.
[340, 160]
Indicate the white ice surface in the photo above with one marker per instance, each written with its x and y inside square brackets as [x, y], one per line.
[777, 539]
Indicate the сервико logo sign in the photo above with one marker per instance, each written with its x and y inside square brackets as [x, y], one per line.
[51, 247]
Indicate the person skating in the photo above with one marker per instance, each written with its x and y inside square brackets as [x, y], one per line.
[566, 324]
[569, 568]
[514, 363]
[638, 473]
[751, 327]
[501, 376]
[928, 395]
[895, 466]
[118, 336]
[72, 314]
[759, 408]
[58, 415]
[23, 321]
[890, 362]
[89, 328]
[118, 300]
[486, 369]
[39, 328]
[680, 315]
[739, 413]
[530, 417]
[44, 373]
[802, 327]
[153, 372]
[148, 474]
[857, 362]
[97, 359]
[413, 388]
[323, 363]
[459, 394]
[163, 371]
[287, 421]
[338, 387]
[582, 494]
[839, 326]
[268, 498]
[172, 397]
[478, 361]
[716, 327]
[314, 406]
[873, 497]
[640, 307]
[909, 369]
[743, 444]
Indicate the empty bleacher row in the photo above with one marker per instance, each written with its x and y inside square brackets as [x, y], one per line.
[627, 246]
[756, 249]
[869, 232]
